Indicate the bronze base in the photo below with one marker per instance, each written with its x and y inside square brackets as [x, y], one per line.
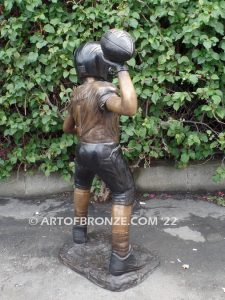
[91, 260]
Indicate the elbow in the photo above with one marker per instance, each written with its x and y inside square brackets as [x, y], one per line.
[66, 129]
[131, 109]
[133, 105]
[68, 125]
[131, 112]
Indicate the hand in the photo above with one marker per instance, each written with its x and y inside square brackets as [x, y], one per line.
[116, 66]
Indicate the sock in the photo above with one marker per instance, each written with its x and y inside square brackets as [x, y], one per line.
[81, 201]
[121, 215]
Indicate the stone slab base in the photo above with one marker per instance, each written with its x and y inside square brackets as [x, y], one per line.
[91, 260]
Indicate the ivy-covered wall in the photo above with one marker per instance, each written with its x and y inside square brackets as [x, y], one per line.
[178, 72]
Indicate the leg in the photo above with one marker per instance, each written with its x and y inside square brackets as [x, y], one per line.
[83, 181]
[117, 175]
[121, 215]
[81, 201]
[122, 259]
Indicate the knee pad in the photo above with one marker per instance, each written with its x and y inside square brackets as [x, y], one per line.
[124, 198]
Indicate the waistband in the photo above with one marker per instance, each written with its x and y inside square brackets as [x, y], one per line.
[85, 143]
[99, 147]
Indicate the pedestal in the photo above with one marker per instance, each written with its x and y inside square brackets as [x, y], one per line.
[91, 260]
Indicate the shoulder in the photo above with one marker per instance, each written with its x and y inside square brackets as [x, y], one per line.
[104, 88]
[104, 91]
[77, 93]
[73, 93]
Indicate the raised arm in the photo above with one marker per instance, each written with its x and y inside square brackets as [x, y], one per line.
[127, 103]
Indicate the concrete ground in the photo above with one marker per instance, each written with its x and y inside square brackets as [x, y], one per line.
[184, 231]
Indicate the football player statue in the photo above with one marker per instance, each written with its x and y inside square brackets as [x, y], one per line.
[93, 115]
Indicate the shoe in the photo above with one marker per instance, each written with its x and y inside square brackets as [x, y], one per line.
[79, 234]
[121, 265]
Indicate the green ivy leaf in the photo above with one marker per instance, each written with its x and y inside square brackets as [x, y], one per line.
[184, 158]
[32, 57]
[216, 99]
[133, 23]
[49, 28]
[207, 44]
[193, 78]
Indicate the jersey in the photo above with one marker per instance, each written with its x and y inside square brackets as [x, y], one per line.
[93, 122]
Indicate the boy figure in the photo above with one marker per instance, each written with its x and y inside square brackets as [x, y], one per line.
[93, 115]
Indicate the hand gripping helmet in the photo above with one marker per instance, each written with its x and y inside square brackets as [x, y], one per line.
[89, 62]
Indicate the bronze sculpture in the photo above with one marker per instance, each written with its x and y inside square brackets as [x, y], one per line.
[94, 116]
